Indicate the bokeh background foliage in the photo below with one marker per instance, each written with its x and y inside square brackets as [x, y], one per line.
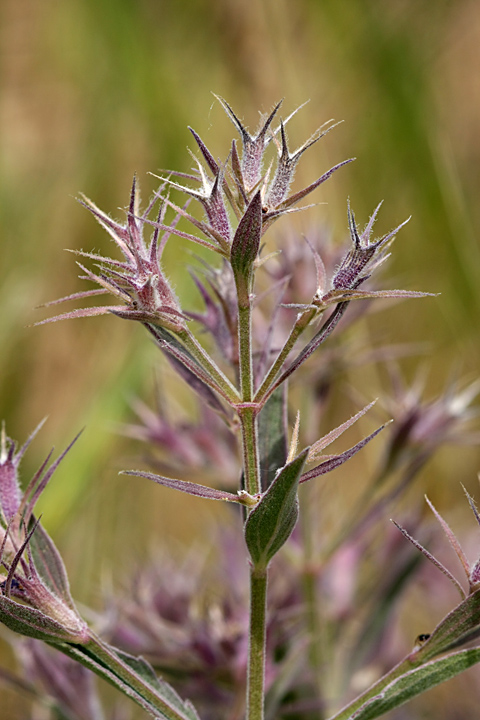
[94, 90]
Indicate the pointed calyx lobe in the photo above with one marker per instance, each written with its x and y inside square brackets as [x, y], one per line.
[253, 146]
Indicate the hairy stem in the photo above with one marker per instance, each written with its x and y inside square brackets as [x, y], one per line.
[245, 350]
[248, 418]
[256, 651]
[247, 410]
[258, 578]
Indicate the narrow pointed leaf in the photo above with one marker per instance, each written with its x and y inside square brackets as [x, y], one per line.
[422, 669]
[132, 676]
[271, 522]
[187, 366]
[326, 440]
[333, 462]
[186, 486]
[196, 383]
[346, 294]
[80, 313]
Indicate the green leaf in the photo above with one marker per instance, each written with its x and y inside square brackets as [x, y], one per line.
[142, 668]
[132, 676]
[272, 436]
[414, 682]
[188, 367]
[422, 669]
[460, 626]
[271, 522]
[49, 564]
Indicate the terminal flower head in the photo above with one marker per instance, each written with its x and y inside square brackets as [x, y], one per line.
[137, 280]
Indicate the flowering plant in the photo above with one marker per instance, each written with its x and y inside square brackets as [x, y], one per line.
[261, 334]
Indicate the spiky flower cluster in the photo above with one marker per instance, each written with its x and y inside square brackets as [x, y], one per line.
[226, 192]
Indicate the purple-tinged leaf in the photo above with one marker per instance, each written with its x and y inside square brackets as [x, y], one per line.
[238, 175]
[80, 313]
[211, 198]
[39, 482]
[186, 486]
[7, 586]
[326, 440]
[473, 506]
[116, 231]
[74, 296]
[359, 262]
[286, 166]
[337, 460]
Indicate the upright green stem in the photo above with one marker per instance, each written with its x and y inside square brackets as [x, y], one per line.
[245, 350]
[248, 411]
[256, 652]
[248, 418]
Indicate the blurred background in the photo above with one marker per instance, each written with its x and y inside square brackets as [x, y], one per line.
[93, 91]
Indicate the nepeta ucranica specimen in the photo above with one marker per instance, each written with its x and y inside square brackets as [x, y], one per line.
[240, 200]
